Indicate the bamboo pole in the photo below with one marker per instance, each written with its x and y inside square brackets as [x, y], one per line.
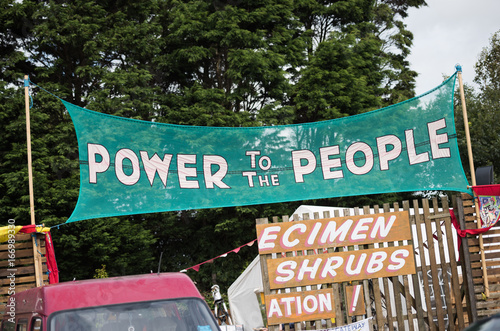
[473, 179]
[35, 240]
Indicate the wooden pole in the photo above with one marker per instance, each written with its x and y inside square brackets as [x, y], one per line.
[473, 179]
[28, 139]
[35, 240]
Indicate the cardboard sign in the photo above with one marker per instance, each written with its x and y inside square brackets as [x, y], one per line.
[341, 266]
[333, 232]
[299, 306]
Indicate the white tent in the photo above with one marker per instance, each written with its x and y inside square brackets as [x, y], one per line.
[243, 302]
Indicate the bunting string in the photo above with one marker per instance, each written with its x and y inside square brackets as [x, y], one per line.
[236, 250]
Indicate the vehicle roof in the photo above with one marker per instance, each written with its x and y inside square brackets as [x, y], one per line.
[47, 299]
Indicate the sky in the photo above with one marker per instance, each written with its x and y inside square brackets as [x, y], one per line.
[449, 32]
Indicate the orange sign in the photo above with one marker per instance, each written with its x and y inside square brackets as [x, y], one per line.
[355, 300]
[299, 306]
[340, 266]
[333, 232]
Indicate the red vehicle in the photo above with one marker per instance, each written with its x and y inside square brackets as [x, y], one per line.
[151, 302]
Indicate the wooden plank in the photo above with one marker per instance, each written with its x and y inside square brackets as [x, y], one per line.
[317, 322]
[455, 282]
[18, 271]
[271, 240]
[478, 273]
[406, 283]
[493, 264]
[341, 265]
[292, 290]
[434, 272]
[489, 312]
[299, 253]
[488, 304]
[264, 271]
[338, 288]
[486, 240]
[493, 231]
[22, 236]
[489, 256]
[416, 284]
[445, 270]
[395, 280]
[20, 262]
[288, 313]
[366, 282]
[326, 214]
[421, 254]
[20, 288]
[21, 253]
[18, 245]
[305, 217]
[355, 247]
[387, 292]
[469, 209]
[468, 283]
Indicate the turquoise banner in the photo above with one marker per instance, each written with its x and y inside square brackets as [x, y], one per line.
[134, 167]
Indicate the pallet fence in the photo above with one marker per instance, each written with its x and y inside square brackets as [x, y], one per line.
[23, 267]
[434, 298]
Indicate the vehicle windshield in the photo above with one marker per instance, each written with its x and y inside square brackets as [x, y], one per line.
[166, 315]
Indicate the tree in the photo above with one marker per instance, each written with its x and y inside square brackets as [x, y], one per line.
[341, 79]
[87, 53]
[483, 110]
[217, 63]
[356, 57]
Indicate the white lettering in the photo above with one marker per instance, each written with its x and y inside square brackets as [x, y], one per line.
[185, 172]
[285, 240]
[312, 299]
[360, 227]
[300, 170]
[368, 156]
[381, 227]
[332, 263]
[437, 139]
[95, 166]
[400, 262]
[156, 165]
[287, 274]
[376, 262]
[214, 178]
[330, 234]
[128, 154]
[327, 164]
[413, 157]
[268, 234]
[384, 155]
[274, 309]
[304, 268]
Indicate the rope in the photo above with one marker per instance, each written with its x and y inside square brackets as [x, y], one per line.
[30, 81]
[36, 243]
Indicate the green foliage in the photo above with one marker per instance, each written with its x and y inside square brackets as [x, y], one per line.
[200, 62]
[101, 273]
[483, 111]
